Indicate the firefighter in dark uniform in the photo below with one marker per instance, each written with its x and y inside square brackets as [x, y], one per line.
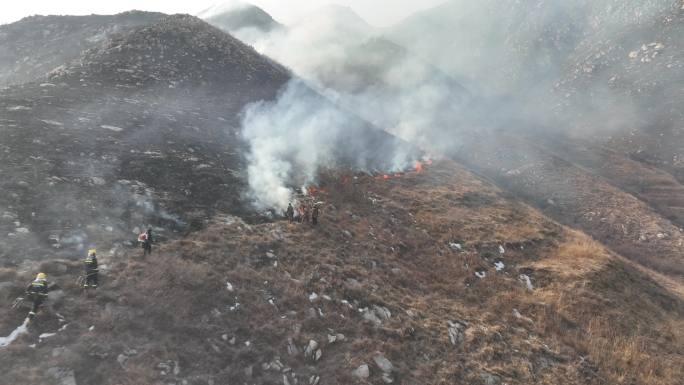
[290, 212]
[91, 271]
[37, 292]
[314, 215]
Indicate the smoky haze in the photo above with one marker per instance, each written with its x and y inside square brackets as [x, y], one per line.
[443, 74]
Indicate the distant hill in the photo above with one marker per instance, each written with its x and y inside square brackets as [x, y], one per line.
[35, 45]
[238, 17]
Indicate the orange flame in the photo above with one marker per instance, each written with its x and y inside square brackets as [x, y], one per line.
[419, 166]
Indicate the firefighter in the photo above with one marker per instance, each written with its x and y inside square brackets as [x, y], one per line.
[305, 214]
[146, 241]
[37, 291]
[314, 215]
[290, 212]
[91, 270]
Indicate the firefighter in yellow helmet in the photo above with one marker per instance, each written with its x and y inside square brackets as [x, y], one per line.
[37, 291]
[91, 271]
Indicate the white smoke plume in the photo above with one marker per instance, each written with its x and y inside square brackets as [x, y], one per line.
[291, 137]
[517, 60]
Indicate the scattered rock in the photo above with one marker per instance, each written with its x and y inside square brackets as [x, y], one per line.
[525, 279]
[62, 376]
[456, 332]
[362, 372]
[376, 315]
[332, 338]
[489, 378]
[385, 366]
[312, 351]
[291, 347]
[121, 359]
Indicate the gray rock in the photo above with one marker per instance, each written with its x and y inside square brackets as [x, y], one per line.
[310, 350]
[382, 312]
[383, 363]
[121, 359]
[56, 352]
[456, 333]
[291, 347]
[489, 378]
[352, 284]
[62, 376]
[370, 316]
[361, 372]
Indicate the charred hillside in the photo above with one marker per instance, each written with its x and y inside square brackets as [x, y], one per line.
[141, 130]
[179, 51]
[36, 45]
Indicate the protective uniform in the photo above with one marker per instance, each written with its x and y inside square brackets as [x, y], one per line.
[37, 291]
[91, 271]
[290, 212]
[314, 215]
[147, 243]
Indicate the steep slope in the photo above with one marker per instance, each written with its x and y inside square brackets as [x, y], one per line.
[144, 130]
[578, 197]
[637, 66]
[34, 46]
[389, 280]
[600, 130]
[498, 46]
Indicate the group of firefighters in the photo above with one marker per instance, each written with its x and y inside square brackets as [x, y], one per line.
[37, 291]
[303, 213]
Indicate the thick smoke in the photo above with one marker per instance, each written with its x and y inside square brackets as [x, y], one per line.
[300, 134]
[440, 76]
[292, 136]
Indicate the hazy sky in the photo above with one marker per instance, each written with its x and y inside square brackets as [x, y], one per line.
[376, 12]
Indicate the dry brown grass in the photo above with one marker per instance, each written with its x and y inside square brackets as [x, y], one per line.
[587, 303]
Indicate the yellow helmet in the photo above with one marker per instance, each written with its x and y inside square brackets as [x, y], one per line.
[92, 252]
[41, 276]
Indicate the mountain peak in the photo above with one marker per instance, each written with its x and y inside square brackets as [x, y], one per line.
[235, 16]
[178, 49]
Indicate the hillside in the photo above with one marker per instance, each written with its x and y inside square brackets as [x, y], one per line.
[144, 129]
[359, 300]
[34, 46]
[481, 235]
[638, 68]
[594, 131]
